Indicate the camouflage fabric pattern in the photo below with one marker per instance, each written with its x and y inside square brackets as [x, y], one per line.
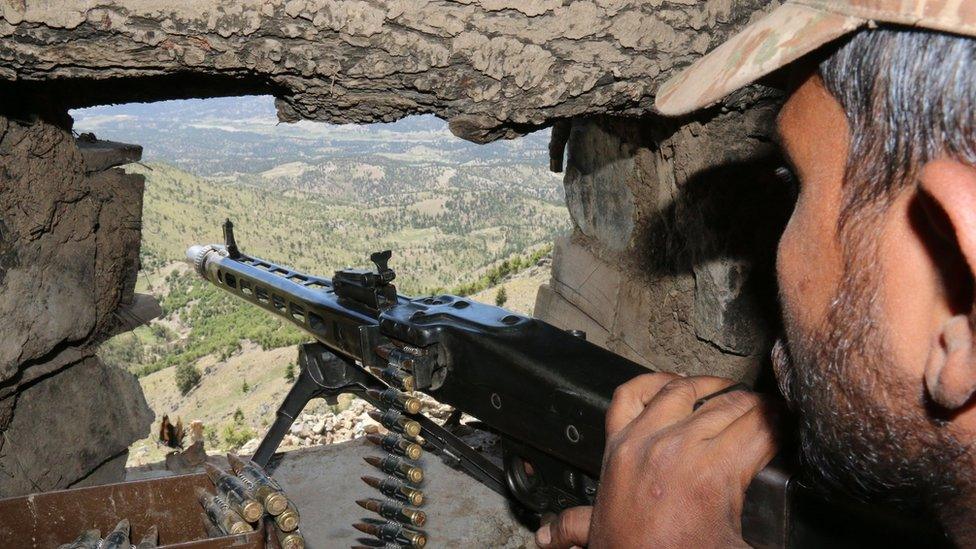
[793, 30]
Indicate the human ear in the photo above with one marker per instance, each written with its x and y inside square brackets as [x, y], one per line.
[950, 191]
[950, 371]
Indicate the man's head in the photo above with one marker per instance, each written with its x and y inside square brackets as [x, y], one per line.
[876, 265]
[870, 267]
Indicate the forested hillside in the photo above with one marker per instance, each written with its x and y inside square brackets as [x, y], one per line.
[442, 223]
[459, 218]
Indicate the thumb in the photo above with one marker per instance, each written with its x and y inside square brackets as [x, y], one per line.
[570, 529]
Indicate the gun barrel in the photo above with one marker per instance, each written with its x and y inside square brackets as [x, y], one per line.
[308, 301]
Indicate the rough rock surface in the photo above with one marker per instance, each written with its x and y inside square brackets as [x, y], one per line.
[671, 261]
[69, 252]
[494, 68]
[90, 414]
[70, 243]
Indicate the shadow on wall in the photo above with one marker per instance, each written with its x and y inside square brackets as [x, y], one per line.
[687, 207]
[729, 219]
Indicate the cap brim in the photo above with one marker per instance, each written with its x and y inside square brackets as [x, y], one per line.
[786, 34]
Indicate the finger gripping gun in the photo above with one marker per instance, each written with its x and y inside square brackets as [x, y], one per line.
[543, 390]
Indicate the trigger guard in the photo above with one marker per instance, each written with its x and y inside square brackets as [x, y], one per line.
[527, 491]
[553, 486]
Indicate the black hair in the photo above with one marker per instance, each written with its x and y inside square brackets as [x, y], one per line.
[909, 96]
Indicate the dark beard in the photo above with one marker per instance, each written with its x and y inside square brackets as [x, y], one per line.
[864, 429]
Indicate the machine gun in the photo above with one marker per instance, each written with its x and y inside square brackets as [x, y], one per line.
[543, 390]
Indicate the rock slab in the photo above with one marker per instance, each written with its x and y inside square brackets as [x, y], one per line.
[70, 226]
[65, 427]
[493, 68]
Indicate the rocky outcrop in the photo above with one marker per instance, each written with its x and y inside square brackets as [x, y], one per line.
[69, 253]
[494, 68]
[312, 428]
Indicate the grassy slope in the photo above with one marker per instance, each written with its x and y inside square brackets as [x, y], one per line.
[220, 393]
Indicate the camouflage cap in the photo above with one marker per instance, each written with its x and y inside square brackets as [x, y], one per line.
[791, 31]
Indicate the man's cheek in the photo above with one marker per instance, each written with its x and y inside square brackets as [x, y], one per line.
[788, 261]
[808, 266]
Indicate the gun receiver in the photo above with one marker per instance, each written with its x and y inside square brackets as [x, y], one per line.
[543, 390]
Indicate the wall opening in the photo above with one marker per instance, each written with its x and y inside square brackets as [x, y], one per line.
[460, 218]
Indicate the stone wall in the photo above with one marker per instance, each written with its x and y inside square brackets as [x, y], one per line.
[69, 252]
[670, 262]
[493, 68]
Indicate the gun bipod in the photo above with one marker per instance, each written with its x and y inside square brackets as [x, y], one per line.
[322, 374]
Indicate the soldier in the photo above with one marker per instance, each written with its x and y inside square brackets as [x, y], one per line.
[876, 275]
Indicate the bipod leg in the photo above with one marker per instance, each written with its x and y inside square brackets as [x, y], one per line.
[322, 374]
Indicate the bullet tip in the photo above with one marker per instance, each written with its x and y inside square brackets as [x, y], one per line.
[419, 518]
[364, 528]
[412, 406]
[412, 428]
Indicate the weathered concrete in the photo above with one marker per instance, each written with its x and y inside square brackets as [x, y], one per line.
[494, 68]
[460, 511]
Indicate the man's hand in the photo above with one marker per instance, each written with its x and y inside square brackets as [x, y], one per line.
[672, 476]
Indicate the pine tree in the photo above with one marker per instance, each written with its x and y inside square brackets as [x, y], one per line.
[501, 297]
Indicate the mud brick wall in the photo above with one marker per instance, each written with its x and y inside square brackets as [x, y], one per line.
[69, 252]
